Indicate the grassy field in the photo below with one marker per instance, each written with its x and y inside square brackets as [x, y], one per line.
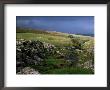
[56, 38]
[54, 65]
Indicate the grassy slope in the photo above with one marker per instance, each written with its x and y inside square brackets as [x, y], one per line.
[58, 39]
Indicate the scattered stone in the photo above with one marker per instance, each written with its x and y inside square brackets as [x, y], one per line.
[28, 70]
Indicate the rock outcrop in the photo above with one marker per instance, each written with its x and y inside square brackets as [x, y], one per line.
[30, 52]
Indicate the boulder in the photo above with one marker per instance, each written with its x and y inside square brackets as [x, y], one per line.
[28, 70]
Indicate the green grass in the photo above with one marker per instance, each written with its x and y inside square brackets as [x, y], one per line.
[54, 61]
[70, 70]
[54, 65]
[51, 63]
[56, 40]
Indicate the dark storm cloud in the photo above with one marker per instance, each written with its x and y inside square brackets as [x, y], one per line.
[66, 24]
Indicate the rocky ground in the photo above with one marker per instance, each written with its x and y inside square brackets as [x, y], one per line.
[31, 53]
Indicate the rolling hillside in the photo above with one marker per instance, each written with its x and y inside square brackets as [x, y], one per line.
[59, 53]
[56, 38]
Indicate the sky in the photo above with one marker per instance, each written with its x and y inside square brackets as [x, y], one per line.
[66, 24]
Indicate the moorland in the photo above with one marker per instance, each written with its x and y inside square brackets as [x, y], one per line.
[51, 52]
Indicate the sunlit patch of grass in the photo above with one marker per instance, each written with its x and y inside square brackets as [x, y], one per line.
[88, 44]
[56, 40]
